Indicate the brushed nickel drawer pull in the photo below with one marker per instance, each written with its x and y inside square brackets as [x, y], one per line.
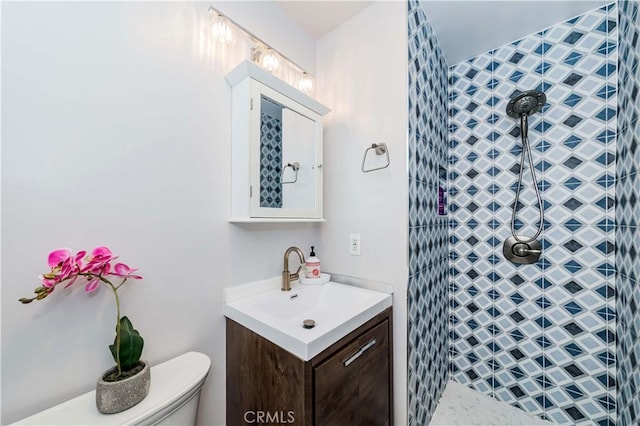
[360, 351]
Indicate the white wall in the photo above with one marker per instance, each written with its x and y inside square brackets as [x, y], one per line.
[116, 130]
[362, 76]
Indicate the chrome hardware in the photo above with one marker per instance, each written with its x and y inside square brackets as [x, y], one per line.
[359, 353]
[295, 166]
[379, 149]
[526, 103]
[521, 250]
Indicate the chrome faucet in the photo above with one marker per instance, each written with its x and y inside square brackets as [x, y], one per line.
[286, 276]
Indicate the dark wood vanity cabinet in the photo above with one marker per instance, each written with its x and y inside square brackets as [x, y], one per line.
[349, 383]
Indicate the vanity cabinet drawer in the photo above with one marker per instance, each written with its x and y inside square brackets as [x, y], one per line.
[349, 383]
[336, 389]
[352, 386]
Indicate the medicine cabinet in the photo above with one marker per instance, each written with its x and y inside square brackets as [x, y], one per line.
[276, 162]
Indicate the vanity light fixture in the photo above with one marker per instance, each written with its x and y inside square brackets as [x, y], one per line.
[306, 83]
[270, 60]
[261, 53]
[220, 28]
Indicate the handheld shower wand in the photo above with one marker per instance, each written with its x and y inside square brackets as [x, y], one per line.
[516, 248]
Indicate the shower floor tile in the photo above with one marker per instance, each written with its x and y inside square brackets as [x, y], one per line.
[460, 405]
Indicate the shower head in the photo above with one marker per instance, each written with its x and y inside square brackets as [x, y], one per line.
[526, 103]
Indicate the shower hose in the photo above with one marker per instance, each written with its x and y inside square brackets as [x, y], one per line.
[526, 151]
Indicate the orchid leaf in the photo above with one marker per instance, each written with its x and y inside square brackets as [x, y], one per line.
[131, 344]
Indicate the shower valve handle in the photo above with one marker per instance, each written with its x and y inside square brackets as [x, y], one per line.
[521, 249]
[524, 250]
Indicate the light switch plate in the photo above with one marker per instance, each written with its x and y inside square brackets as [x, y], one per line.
[355, 244]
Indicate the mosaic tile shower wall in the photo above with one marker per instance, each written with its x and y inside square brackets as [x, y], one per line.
[541, 336]
[628, 216]
[428, 239]
[270, 161]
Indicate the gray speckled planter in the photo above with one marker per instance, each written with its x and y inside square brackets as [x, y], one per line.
[114, 397]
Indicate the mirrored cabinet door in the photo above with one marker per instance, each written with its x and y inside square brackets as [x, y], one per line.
[302, 168]
[285, 146]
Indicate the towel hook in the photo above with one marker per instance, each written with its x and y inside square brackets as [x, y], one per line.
[379, 149]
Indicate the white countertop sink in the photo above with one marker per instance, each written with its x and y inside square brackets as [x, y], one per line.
[277, 315]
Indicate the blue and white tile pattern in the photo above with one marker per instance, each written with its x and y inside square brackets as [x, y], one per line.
[270, 161]
[540, 337]
[428, 235]
[628, 216]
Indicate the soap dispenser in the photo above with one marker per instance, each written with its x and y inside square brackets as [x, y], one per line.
[312, 265]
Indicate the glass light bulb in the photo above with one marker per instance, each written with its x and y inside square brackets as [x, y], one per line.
[221, 30]
[306, 83]
[270, 60]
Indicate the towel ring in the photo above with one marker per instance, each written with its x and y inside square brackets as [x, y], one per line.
[379, 149]
[295, 166]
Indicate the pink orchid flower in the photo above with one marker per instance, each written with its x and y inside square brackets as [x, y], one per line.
[101, 252]
[92, 285]
[59, 262]
[65, 266]
[59, 256]
[98, 261]
[48, 282]
[80, 258]
[124, 271]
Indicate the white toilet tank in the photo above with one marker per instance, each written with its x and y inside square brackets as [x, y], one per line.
[172, 400]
